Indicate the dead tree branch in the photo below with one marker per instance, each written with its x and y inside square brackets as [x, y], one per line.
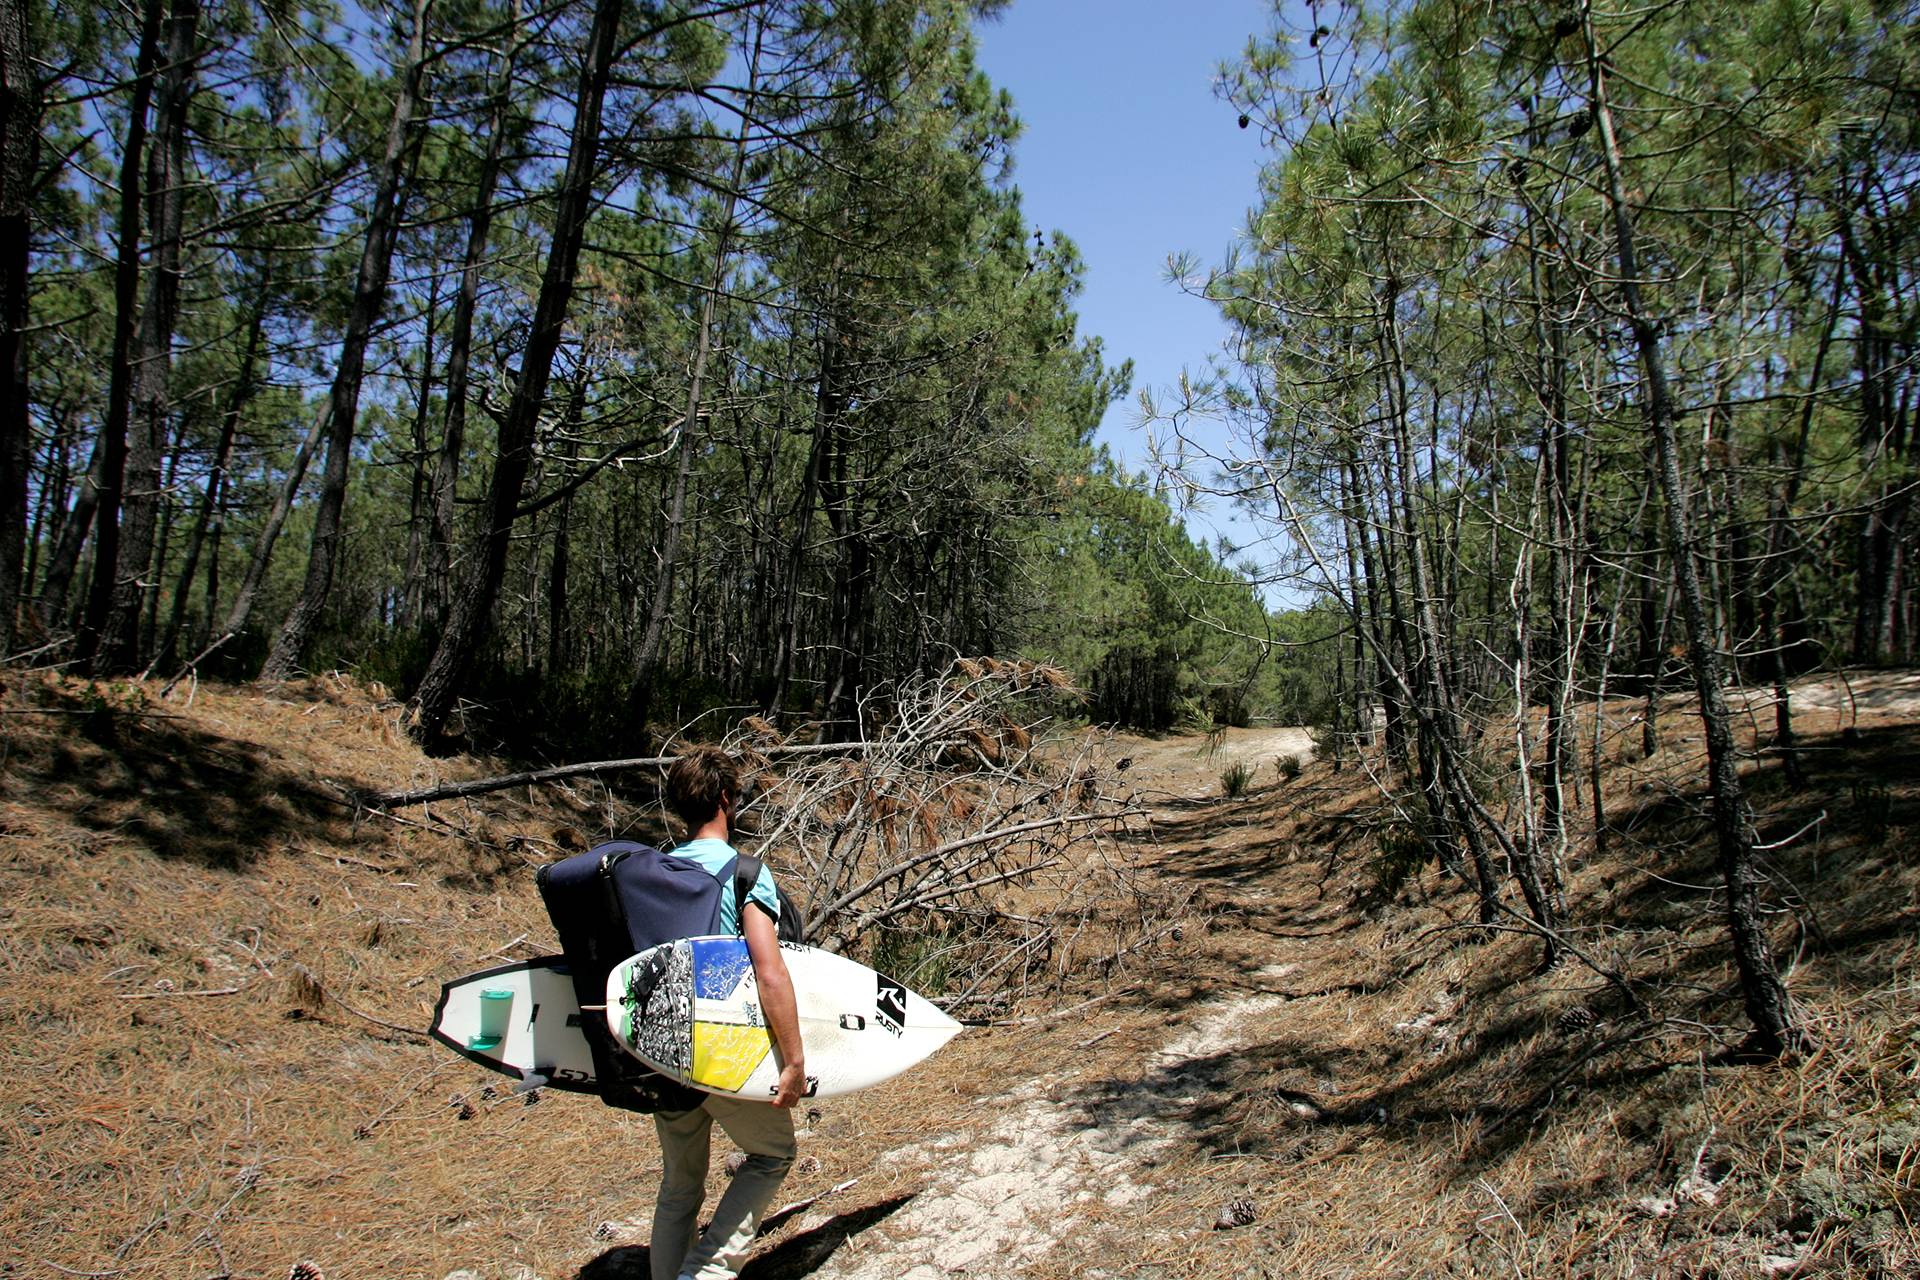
[481, 786]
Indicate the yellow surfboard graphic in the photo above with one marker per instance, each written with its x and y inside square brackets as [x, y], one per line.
[724, 1056]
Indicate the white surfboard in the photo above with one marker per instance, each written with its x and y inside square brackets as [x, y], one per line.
[691, 1010]
[522, 1020]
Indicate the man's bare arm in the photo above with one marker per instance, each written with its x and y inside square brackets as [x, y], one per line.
[777, 1003]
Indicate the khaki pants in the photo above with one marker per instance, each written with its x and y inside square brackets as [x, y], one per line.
[765, 1133]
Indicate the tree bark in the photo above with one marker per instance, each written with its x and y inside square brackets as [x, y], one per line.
[50, 503]
[828, 399]
[1879, 543]
[1439, 722]
[1765, 997]
[1778, 569]
[647, 662]
[559, 620]
[263, 545]
[1567, 600]
[141, 493]
[419, 498]
[245, 383]
[157, 561]
[471, 614]
[71, 539]
[343, 400]
[19, 144]
[453, 439]
[110, 486]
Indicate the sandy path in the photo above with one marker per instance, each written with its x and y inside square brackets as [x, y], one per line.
[1055, 1156]
[1185, 769]
[1062, 1151]
[1000, 1196]
[1895, 693]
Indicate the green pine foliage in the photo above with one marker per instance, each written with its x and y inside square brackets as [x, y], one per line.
[889, 460]
[1151, 620]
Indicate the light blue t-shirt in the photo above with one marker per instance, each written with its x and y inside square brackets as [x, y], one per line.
[716, 855]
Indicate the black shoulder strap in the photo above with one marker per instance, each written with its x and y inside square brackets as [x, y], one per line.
[746, 873]
[610, 894]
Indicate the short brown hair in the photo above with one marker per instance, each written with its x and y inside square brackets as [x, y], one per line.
[699, 780]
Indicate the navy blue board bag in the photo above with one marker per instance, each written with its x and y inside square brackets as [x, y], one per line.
[614, 901]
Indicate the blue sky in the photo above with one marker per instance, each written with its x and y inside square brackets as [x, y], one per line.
[1127, 150]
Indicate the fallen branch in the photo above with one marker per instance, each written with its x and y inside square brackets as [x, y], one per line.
[481, 786]
[786, 1211]
[1053, 1016]
[366, 1127]
[89, 711]
[69, 1271]
[954, 846]
[193, 664]
[168, 995]
[503, 949]
[1528, 925]
[342, 857]
[1173, 926]
[328, 996]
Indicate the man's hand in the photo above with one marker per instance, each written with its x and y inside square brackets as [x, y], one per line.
[777, 1003]
[792, 1086]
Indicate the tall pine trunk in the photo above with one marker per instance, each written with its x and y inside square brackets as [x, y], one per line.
[246, 382]
[453, 440]
[1765, 996]
[412, 589]
[70, 539]
[19, 142]
[827, 402]
[142, 496]
[343, 400]
[647, 662]
[110, 481]
[559, 617]
[1778, 569]
[471, 614]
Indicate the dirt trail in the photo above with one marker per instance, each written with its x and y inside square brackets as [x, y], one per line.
[999, 1197]
[1293, 1021]
[1189, 768]
[1062, 1150]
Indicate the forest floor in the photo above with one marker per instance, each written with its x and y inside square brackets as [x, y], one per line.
[212, 973]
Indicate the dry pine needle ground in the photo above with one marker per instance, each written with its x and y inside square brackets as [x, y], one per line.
[208, 968]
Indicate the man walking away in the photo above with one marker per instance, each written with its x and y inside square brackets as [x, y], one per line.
[703, 788]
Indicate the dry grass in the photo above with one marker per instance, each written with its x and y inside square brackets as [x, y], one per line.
[204, 959]
[201, 947]
[1417, 1104]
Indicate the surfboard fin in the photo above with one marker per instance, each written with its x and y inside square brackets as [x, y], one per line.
[532, 1080]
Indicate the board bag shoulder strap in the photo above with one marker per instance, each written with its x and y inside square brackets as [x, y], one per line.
[746, 873]
[787, 925]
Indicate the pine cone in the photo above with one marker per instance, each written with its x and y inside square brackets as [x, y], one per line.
[305, 1271]
[1235, 1213]
[1575, 1020]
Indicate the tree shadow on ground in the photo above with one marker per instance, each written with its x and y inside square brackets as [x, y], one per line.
[797, 1256]
[173, 788]
[1185, 835]
[1508, 1065]
[807, 1252]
